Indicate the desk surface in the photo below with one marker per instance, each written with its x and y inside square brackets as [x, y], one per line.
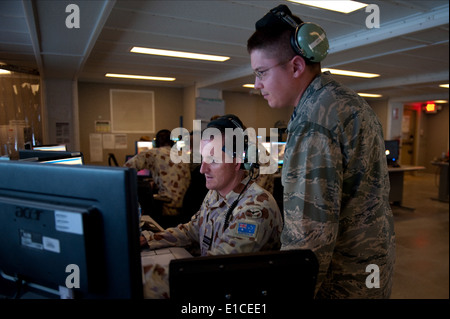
[440, 163]
[404, 168]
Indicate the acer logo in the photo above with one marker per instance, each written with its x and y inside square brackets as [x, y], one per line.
[27, 213]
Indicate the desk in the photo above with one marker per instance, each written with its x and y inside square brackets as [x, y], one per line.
[443, 181]
[396, 175]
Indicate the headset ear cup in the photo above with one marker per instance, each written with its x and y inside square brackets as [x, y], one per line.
[311, 42]
[251, 157]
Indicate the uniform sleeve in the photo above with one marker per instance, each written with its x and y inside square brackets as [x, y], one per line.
[140, 161]
[312, 191]
[182, 235]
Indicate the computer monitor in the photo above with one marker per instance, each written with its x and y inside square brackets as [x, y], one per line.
[142, 146]
[70, 160]
[276, 150]
[257, 277]
[52, 157]
[392, 150]
[50, 147]
[26, 154]
[70, 229]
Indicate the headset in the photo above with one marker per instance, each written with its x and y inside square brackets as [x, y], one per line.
[233, 122]
[309, 39]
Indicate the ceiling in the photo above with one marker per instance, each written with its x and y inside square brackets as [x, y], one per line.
[409, 50]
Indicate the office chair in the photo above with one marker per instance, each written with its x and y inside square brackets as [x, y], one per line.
[112, 158]
[273, 277]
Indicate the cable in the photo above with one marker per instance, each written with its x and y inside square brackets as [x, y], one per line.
[233, 206]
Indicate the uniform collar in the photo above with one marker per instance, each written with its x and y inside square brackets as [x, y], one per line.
[316, 84]
[231, 196]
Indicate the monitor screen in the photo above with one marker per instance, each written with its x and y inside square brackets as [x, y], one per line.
[72, 160]
[52, 157]
[70, 228]
[392, 149]
[276, 150]
[142, 146]
[52, 147]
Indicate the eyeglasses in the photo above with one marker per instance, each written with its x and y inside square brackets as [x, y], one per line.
[260, 74]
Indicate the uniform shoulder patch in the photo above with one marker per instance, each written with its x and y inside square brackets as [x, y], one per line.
[246, 228]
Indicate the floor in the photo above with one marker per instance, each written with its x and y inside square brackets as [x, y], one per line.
[422, 263]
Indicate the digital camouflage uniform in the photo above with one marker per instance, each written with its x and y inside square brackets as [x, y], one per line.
[336, 190]
[171, 179]
[255, 225]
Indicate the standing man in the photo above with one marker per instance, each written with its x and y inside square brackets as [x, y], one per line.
[335, 176]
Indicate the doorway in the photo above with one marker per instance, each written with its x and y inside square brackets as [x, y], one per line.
[409, 120]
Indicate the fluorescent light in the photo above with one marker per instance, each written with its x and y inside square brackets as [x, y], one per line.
[139, 77]
[3, 71]
[444, 85]
[250, 86]
[179, 54]
[351, 73]
[440, 101]
[369, 95]
[339, 6]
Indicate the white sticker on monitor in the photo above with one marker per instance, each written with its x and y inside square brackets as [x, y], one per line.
[51, 244]
[68, 222]
[30, 239]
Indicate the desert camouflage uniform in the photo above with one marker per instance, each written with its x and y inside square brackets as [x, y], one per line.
[336, 190]
[256, 211]
[171, 179]
[266, 181]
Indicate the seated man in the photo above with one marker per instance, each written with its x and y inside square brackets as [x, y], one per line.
[171, 180]
[236, 216]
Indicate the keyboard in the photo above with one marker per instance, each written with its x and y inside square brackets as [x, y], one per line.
[163, 256]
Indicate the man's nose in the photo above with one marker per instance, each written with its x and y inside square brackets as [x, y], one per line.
[204, 167]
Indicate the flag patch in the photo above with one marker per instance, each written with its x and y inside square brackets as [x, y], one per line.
[246, 229]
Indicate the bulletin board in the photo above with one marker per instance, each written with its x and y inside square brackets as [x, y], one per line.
[132, 111]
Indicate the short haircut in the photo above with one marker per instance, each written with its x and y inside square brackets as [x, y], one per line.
[277, 43]
[163, 138]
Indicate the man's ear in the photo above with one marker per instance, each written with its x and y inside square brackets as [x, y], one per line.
[237, 165]
[299, 65]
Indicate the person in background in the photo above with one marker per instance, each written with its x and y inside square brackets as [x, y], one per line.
[335, 175]
[171, 180]
[236, 216]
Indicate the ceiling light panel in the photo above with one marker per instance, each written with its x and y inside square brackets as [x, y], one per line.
[351, 73]
[338, 5]
[180, 54]
[139, 77]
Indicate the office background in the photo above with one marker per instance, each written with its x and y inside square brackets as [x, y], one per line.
[58, 85]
